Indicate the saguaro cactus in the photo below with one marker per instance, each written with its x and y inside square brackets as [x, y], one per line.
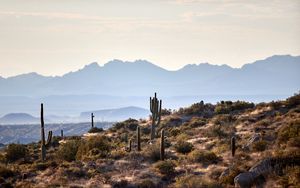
[162, 145]
[138, 135]
[129, 145]
[155, 108]
[233, 148]
[62, 133]
[92, 117]
[43, 147]
[44, 144]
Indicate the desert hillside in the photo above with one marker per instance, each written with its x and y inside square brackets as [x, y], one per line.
[224, 145]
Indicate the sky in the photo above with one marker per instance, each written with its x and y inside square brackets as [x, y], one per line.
[53, 37]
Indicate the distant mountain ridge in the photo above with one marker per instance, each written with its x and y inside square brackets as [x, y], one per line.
[17, 118]
[278, 74]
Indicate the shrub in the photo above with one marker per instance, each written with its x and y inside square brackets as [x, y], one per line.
[97, 145]
[5, 172]
[95, 130]
[226, 107]
[216, 131]
[147, 183]
[197, 122]
[152, 152]
[294, 142]
[192, 181]
[291, 130]
[183, 147]
[205, 157]
[166, 167]
[75, 172]
[118, 154]
[15, 152]
[260, 145]
[68, 150]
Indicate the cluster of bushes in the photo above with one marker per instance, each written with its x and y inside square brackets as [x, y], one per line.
[289, 132]
[193, 181]
[166, 167]
[183, 147]
[98, 146]
[15, 152]
[95, 130]
[130, 124]
[198, 109]
[204, 157]
[226, 107]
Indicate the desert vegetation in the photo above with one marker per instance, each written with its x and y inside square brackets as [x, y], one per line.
[224, 145]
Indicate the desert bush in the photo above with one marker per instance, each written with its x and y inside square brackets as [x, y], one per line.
[97, 145]
[15, 152]
[193, 181]
[197, 122]
[226, 107]
[147, 183]
[294, 142]
[205, 157]
[183, 147]
[293, 101]
[260, 145]
[216, 131]
[291, 130]
[5, 172]
[152, 152]
[95, 130]
[129, 124]
[175, 131]
[166, 167]
[199, 109]
[75, 172]
[68, 150]
[118, 154]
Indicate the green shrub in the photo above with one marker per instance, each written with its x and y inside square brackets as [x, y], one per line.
[205, 157]
[147, 183]
[260, 145]
[15, 152]
[97, 145]
[291, 130]
[166, 167]
[226, 107]
[193, 181]
[95, 130]
[216, 131]
[183, 147]
[152, 152]
[68, 150]
[5, 172]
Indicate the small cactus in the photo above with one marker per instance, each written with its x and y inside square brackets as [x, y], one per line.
[155, 108]
[233, 147]
[138, 135]
[162, 145]
[92, 117]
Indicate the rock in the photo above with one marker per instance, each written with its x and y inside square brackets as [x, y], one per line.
[244, 180]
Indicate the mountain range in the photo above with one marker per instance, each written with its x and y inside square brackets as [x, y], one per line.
[278, 74]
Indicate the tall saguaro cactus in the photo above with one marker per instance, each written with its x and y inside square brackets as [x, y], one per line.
[155, 108]
[162, 145]
[92, 117]
[138, 135]
[233, 148]
[43, 147]
[44, 144]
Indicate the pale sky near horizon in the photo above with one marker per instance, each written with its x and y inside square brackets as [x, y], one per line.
[53, 37]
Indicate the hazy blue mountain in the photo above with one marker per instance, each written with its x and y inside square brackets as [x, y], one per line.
[274, 75]
[16, 118]
[117, 114]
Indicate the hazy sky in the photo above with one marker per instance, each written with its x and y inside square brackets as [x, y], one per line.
[53, 37]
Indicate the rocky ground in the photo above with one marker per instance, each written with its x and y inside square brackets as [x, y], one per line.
[198, 151]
